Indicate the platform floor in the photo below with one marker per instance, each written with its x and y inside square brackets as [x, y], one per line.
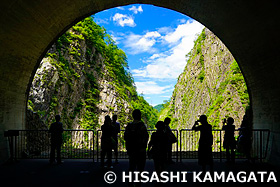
[85, 173]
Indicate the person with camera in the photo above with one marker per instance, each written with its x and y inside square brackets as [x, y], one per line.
[205, 142]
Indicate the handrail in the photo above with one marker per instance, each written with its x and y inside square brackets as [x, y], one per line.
[82, 143]
[224, 130]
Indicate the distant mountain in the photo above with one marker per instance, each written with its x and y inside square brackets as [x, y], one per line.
[159, 107]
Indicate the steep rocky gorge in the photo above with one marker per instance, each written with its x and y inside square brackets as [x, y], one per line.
[83, 77]
[211, 84]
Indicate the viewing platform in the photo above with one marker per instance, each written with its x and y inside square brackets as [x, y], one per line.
[84, 172]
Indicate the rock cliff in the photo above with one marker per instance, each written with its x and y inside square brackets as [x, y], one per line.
[84, 77]
[211, 84]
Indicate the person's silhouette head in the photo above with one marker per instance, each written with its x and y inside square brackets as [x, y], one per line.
[115, 117]
[57, 118]
[167, 120]
[136, 114]
[107, 120]
[203, 119]
[160, 125]
[230, 121]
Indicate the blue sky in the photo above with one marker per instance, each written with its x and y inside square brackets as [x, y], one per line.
[155, 41]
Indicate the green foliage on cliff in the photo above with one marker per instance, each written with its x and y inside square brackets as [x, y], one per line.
[212, 84]
[85, 58]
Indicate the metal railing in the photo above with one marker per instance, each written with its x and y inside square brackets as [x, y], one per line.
[189, 144]
[37, 144]
[122, 153]
[86, 144]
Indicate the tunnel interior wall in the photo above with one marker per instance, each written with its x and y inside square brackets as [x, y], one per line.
[28, 29]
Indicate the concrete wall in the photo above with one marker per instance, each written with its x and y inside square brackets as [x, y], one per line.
[249, 30]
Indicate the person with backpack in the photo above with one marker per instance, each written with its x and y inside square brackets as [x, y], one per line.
[136, 137]
[56, 130]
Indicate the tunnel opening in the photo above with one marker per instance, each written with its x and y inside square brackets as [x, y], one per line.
[73, 59]
[82, 54]
[13, 107]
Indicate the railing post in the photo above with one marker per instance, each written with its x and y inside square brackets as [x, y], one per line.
[267, 141]
[97, 146]
[92, 145]
[177, 146]
[261, 146]
[11, 135]
[181, 145]
[221, 155]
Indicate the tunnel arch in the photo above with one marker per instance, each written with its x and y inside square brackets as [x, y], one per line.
[28, 29]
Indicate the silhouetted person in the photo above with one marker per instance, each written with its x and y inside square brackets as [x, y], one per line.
[56, 130]
[117, 129]
[136, 138]
[205, 142]
[229, 139]
[158, 147]
[107, 141]
[171, 139]
[245, 137]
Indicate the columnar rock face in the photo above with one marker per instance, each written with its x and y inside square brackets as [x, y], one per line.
[211, 84]
[84, 77]
[34, 121]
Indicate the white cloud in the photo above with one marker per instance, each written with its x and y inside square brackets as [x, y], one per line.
[182, 20]
[124, 20]
[165, 96]
[141, 43]
[101, 21]
[154, 56]
[135, 10]
[183, 31]
[170, 64]
[118, 37]
[164, 30]
[152, 34]
[120, 8]
[151, 87]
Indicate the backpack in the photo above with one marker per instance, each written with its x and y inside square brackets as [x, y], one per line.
[135, 137]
